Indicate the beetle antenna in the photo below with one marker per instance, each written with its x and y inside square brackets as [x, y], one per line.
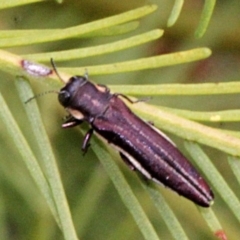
[86, 74]
[55, 69]
[40, 95]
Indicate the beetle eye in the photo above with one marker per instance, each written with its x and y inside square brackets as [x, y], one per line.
[64, 97]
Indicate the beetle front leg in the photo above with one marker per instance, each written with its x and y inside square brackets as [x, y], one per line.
[86, 141]
[71, 122]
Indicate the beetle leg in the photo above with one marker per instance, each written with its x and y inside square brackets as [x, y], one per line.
[71, 122]
[86, 141]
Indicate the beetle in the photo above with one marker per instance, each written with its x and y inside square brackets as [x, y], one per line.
[142, 146]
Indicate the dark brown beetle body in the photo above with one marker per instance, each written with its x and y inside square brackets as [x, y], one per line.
[141, 146]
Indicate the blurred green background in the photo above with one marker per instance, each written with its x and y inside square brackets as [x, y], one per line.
[97, 210]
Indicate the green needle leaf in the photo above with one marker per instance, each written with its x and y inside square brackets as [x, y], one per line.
[205, 17]
[176, 10]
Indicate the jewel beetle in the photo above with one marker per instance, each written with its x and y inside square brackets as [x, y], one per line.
[142, 146]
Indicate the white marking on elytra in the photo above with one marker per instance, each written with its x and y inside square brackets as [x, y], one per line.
[137, 165]
[162, 134]
[132, 160]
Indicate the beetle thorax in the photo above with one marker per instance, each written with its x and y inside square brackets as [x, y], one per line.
[83, 100]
